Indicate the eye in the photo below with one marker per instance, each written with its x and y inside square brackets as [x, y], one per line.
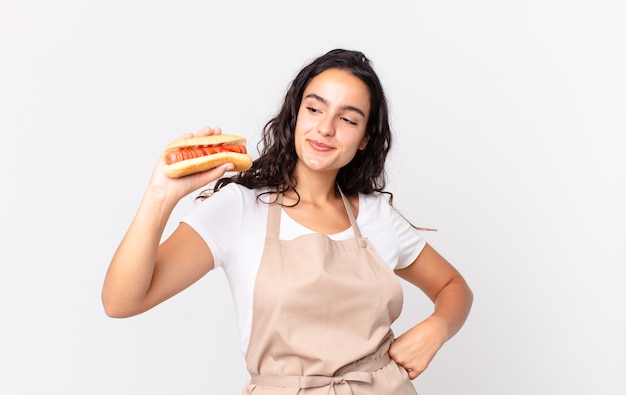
[348, 121]
[313, 109]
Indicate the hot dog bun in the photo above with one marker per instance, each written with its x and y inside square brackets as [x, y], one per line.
[242, 161]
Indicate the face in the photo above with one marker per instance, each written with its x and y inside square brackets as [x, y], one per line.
[332, 121]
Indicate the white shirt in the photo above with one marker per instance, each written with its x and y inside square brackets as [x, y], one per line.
[233, 221]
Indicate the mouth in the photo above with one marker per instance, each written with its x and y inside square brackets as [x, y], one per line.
[319, 146]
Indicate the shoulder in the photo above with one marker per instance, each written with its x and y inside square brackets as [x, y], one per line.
[377, 202]
[395, 239]
[233, 202]
[227, 219]
[377, 207]
[236, 189]
[237, 194]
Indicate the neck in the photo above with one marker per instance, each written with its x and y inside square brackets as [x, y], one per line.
[315, 187]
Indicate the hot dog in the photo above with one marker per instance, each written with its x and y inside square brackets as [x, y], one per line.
[201, 153]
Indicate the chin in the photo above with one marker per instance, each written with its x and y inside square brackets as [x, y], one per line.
[313, 164]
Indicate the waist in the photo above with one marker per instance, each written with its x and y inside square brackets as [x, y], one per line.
[359, 371]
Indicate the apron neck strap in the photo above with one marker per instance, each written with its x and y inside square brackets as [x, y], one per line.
[273, 217]
[275, 208]
[346, 203]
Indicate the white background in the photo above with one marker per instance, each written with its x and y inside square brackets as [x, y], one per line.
[508, 119]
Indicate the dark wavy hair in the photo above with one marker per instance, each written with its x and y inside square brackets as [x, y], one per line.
[275, 166]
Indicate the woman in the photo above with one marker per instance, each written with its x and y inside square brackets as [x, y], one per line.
[317, 292]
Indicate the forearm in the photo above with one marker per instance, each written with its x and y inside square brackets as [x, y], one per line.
[452, 306]
[130, 272]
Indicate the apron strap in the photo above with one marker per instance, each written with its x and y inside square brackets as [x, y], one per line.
[273, 219]
[339, 384]
[355, 227]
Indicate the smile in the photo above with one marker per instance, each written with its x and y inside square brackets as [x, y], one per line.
[317, 146]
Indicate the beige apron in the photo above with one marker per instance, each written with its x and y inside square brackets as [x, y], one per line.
[321, 317]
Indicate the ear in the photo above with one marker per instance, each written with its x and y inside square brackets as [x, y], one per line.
[364, 142]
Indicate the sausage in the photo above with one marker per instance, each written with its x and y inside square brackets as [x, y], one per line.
[184, 153]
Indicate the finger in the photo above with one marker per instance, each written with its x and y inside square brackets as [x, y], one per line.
[410, 372]
[207, 131]
[413, 372]
[213, 174]
[184, 136]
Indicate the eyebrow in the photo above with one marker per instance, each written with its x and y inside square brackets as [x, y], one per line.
[344, 107]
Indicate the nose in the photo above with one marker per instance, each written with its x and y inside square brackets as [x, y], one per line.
[326, 127]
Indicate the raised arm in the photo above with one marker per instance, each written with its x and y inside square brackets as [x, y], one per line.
[143, 272]
[452, 298]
